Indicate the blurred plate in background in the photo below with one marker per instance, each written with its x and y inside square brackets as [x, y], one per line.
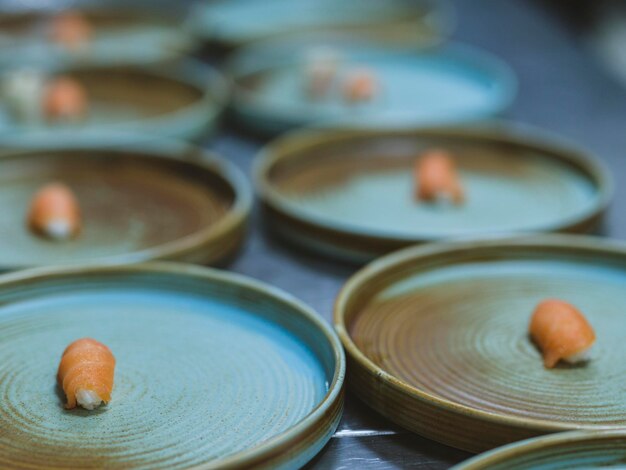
[437, 338]
[158, 201]
[415, 87]
[350, 194]
[121, 35]
[179, 100]
[234, 23]
[582, 450]
[213, 370]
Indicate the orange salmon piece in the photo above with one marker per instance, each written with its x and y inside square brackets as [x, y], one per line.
[86, 373]
[436, 175]
[54, 212]
[561, 331]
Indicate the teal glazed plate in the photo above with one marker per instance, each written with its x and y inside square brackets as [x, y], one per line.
[180, 100]
[159, 200]
[235, 23]
[120, 36]
[565, 451]
[437, 338]
[350, 194]
[415, 87]
[213, 370]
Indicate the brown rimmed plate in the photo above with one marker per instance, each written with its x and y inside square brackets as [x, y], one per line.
[235, 23]
[178, 100]
[437, 338]
[571, 450]
[214, 370]
[454, 83]
[122, 34]
[349, 194]
[160, 200]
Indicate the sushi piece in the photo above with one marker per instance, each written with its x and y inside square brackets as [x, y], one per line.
[320, 71]
[22, 92]
[71, 30]
[86, 373]
[436, 176]
[561, 332]
[360, 85]
[54, 212]
[64, 99]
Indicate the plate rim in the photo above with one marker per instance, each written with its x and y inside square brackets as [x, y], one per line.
[323, 413]
[413, 253]
[232, 224]
[528, 446]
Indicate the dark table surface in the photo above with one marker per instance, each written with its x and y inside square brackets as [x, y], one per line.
[562, 89]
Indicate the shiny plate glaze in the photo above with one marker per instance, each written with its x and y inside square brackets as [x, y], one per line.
[454, 83]
[213, 370]
[121, 36]
[437, 338]
[350, 193]
[234, 23]
[178, 100]
[162, 201]
[572, 450]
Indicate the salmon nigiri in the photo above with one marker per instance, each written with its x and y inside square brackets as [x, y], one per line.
[561, 332]
[54, 212]
[435, 176]
[86, 373]
[64, 98]
[360, 85]
[71, 29]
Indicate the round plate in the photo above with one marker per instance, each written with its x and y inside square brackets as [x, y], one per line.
[121, 36]
[570, 450]
[234, 23]
[136, 204]
[440, 85]
[437, 338]
[213, 370]
[349, 194]
[179, 101]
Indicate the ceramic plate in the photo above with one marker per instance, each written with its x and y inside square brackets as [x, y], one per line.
[136, 203]
[233, 23]
[121, 36]
[571, 450]
[182, 100]
[437, 338]
[213, 371]
[349, 194]
[451, 84]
